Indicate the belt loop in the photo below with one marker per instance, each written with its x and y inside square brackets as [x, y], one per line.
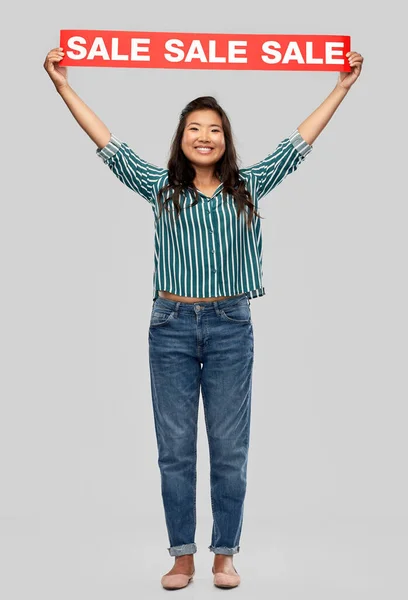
[176, 310]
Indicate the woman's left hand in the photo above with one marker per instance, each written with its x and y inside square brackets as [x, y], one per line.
[346, 80]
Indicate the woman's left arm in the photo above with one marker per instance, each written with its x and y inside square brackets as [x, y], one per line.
[317, 121]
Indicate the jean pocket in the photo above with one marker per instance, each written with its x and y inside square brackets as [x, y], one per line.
[239, 312]
[160, 316]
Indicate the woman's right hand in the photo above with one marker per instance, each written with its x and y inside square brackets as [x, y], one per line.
[58, 74]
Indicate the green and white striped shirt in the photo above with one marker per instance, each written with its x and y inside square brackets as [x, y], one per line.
[208, 252]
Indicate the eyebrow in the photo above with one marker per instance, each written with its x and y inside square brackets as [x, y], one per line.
[212, 125]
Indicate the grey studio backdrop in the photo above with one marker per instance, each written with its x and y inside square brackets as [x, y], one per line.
[80, 505]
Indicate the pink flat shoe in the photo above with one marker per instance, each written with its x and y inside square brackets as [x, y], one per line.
[176, 582]
[223, 580]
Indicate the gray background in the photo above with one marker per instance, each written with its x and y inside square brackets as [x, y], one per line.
[80, 507]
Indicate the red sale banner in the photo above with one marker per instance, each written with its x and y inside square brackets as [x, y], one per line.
[160, 50]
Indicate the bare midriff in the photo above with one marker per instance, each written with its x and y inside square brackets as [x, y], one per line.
[171, 296]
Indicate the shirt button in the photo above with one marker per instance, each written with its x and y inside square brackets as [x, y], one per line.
[210, 230]
[213, 251]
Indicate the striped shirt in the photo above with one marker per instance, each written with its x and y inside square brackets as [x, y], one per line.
[208, 252]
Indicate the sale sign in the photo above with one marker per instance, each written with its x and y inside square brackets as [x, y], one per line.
[160, 50]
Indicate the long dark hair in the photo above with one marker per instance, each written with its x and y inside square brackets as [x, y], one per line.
[182, 172]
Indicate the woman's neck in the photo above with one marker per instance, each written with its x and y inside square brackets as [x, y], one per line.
[205, 177]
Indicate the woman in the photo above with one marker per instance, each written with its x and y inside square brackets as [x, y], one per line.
[208, 266]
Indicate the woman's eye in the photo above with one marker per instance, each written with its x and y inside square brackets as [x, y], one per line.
[212, 131]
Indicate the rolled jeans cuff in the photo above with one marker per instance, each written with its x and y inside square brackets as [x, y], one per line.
[223, 549]
[184, 549]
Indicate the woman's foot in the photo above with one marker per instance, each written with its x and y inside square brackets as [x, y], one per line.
[224, 571]
[180, 574]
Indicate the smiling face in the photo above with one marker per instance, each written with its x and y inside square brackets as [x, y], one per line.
[203, 141]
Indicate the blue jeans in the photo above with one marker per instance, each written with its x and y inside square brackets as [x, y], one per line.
[208, 345]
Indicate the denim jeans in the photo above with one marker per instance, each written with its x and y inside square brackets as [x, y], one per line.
[207, 345]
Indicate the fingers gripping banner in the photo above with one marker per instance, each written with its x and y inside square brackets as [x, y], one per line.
[160, 50]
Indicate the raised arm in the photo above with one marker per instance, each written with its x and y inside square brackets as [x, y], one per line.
[132, 170]
[317, 121]
[268, 173]
[85, 117]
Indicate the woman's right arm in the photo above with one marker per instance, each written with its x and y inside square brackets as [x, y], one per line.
[85, 117]
[132, 170]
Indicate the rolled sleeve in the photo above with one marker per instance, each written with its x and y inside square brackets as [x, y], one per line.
[132, 170]
[110, 149]
[268, 173]
[300, 144]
